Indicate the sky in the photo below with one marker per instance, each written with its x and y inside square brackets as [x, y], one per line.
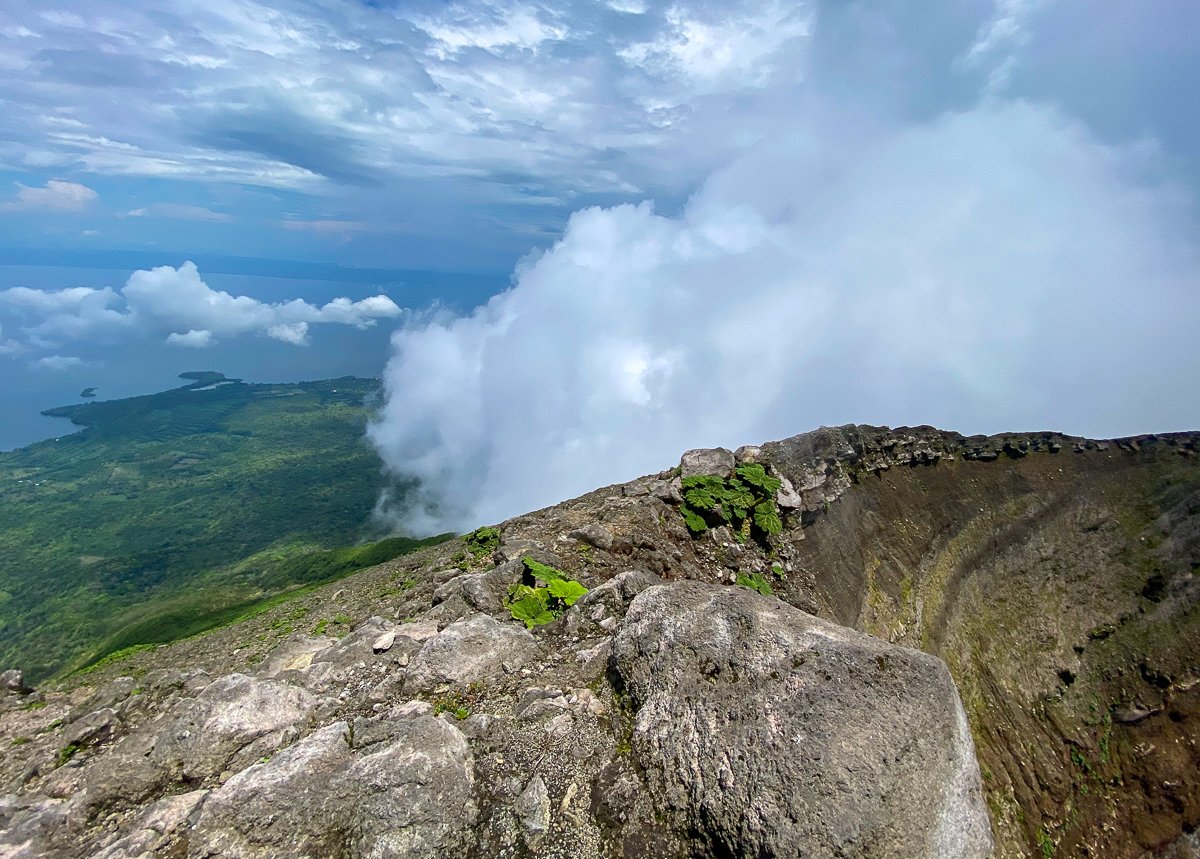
[671, 223]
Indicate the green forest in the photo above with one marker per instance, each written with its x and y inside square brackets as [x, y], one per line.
[170, 513]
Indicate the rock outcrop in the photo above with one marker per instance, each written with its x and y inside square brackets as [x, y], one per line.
[916, 645]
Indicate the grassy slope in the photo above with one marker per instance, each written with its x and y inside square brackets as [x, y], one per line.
[142, 518]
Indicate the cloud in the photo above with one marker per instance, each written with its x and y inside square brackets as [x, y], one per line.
[58, 363]
[176, 304]
[192, 339]
[179, 211]
[57, 195]
[998, 41]
[993, 269]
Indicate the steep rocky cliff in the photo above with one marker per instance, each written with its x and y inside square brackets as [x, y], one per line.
[712, 694]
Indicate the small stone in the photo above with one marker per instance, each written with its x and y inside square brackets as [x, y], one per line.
[533, 810]
[384, 642]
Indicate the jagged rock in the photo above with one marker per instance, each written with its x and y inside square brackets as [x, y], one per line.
[234, 720]
[770, 732]
[384, 642]
[96, 728]
[533, 810]
[593, 534]
[716, 460]
[748, 453]
[787, 497]
[484, 591]
[615, 594]
[400, 787]
[157, 828]
[30, 826]
[473, 649]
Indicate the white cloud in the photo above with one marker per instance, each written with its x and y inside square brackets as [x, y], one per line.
[998, 41]
[991, 270]
[195, 338]
[295, 333]
[177, 304]
[58, 363]
[731, 50]
[57, 195]
[179, 211]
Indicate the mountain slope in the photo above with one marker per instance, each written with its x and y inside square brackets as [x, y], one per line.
[143, 516]
[1054, 576]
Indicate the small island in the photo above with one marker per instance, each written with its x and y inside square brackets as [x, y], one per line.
[87, 393]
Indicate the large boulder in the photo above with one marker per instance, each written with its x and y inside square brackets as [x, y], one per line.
[768, 732]
[475, 649]
[702, 461]
[398, 787]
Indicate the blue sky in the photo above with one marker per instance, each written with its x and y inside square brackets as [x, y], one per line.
[974, 213]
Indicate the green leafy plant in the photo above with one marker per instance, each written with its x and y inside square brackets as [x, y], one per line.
[544, 594]
[744, 501]
[482, 541]
[755, 582]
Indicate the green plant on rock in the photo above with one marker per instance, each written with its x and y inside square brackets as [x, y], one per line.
[744, 501]
[66, 753]
[756, 582]
[482, 541]
[543, 594]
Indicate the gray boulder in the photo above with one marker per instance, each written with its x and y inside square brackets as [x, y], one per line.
[13, 681]
[769, 732]
[716, 460]
[395, 788]
[476, 648]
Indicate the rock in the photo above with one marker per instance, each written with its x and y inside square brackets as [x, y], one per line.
[748, 453]
[769, 732]
[407, 793]
[235, 720]
[717, 460]
[787, 497]
[157, 828]
[484, 591]
[594, 534]
[1132, 714]
[533, 810]
[94, 729]
[476, 648]
[294, 653]
[384, 642]
[417, 631]
[615, 595]
[13, 680]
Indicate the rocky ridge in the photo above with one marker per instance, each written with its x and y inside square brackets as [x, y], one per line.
[669, 711]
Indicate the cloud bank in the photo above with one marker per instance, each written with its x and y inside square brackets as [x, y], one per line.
[991, 269]
[174, 304]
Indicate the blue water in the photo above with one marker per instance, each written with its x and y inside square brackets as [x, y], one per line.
[136, 365]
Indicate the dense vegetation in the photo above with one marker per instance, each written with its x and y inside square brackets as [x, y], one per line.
[172, 512]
